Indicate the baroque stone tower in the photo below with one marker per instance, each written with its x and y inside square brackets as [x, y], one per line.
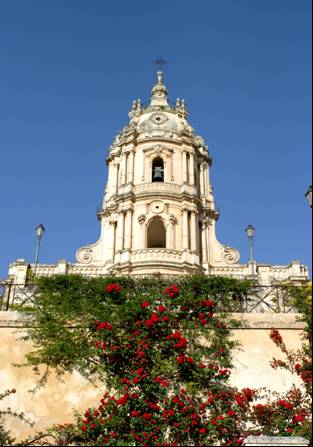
[158, 212]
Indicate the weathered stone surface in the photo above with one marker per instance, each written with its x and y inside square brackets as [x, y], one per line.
[54, 403]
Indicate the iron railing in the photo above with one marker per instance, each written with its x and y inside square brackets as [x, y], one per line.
[260, 299]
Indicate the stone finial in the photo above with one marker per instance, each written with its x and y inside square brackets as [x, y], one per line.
[181, 108]
[159, 92]
[136, 108]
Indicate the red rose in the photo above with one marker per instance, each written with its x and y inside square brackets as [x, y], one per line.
[231, 413]
[83, 428]
[285, 404]
[161, 308]
[202, 430]
[113, 288]
[171, 291]
[145, 304]
[122, 400]
[208, 303]
[298, 418]
[180, 359]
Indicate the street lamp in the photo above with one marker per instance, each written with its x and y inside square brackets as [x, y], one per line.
[308, 195]
[39, 233]
[250, 233]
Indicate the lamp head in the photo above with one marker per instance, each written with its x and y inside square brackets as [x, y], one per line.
[250, 231]
[40, 231]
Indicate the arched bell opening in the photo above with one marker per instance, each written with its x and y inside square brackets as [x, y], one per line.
[156, 234]
[158, 170]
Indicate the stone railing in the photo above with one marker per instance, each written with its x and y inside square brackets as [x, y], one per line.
[160, 187]
[156, 254]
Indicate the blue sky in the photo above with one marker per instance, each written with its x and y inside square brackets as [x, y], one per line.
[70, 70]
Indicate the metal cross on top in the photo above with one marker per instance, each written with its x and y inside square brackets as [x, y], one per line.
[160, 62]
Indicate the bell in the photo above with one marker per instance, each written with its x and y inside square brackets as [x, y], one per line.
[158, 174]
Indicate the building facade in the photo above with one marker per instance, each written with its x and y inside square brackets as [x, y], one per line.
[158, 212]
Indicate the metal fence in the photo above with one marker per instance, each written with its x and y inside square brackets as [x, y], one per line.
[260, 299]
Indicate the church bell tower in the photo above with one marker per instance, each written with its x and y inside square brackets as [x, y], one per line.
[158, 212]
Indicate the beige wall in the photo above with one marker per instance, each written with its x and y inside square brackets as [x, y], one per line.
[55, 402]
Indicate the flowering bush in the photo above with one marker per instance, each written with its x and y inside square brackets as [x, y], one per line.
[164, 351]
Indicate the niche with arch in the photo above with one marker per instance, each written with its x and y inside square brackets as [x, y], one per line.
[156, 234]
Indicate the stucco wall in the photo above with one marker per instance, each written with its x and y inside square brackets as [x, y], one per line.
[56, 401]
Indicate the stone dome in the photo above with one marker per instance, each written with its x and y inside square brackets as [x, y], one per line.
[160, 123]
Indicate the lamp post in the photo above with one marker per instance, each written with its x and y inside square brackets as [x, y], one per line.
[39, 233]
[250, 233]
[308, 195]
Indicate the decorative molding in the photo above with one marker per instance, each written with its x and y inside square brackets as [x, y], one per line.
[84, 255]
[157, 207]
[231, 255]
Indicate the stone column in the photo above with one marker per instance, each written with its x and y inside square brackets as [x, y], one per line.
[193, 232]
[141, 231]
[205, 179]
[109, 184]
[172, 238]
[173, 245]
[128, 230]
[191, 170]
[172, 165]
[131, 167]
[124, 169]
[120, 232]
[117, 177]
[143, 166]
[184, 167]
[111, 240]
[204, 242]
[113, 169]
[201, 181]
[185, 230]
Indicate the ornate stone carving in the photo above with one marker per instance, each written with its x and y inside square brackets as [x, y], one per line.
[158, 118]
[141, 219]
[84, 255]
[173, 220]
[231, 255]
[157, 207]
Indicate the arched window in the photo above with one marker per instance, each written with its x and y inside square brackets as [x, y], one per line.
[158, 170]
[156, 234]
